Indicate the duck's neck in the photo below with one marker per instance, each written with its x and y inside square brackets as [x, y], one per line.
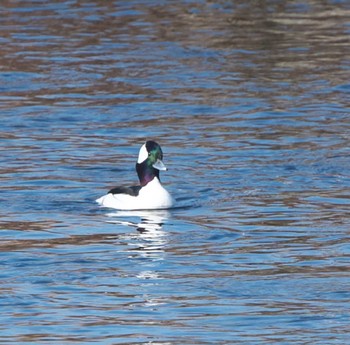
[146, 173]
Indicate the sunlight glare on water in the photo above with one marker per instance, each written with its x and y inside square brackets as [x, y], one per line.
[250, 103]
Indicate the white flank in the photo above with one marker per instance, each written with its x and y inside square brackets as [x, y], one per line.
[151, 197]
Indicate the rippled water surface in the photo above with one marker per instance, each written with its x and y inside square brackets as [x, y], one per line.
[250, 103]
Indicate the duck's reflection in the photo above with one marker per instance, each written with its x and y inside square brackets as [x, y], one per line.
[150, 221]
[149, 225]
[147, 248]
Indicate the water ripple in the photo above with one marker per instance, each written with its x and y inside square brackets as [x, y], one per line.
[249, 104]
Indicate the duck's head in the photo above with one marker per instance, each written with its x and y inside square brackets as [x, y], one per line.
[149, 162]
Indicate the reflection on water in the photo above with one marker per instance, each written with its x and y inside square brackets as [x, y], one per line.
[249, 101]
[151, 221]
[149, 245]
[149, 225]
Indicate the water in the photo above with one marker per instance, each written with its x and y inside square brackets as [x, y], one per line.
[250, 103]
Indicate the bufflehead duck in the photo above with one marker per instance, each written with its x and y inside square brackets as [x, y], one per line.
[150, 194]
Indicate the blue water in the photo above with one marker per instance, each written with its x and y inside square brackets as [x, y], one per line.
[250, 103]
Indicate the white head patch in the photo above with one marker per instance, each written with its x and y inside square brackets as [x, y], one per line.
[143, 154]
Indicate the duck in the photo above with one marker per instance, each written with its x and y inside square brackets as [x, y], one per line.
[149, 194]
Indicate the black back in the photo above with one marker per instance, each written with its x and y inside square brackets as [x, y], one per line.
[132, 190]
